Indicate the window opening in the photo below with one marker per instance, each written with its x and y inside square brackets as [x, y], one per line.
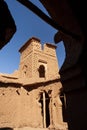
[41, 71]
[24, 69]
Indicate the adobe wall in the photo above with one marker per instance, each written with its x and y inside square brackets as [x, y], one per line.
[21, 106]
[33, 54]
[30, 97]
[48, 58]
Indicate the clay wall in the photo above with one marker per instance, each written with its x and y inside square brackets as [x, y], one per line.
[33, 54]
[47, 58]
[21, 106]
[25, 67]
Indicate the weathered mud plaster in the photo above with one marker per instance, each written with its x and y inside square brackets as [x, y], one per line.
[30, 97]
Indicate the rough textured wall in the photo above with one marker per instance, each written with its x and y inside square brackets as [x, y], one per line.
[26, 66]
[9, 107]
[46, 57]
[27, 60]
[22, 107]
[32, 99]
[32, 56]
[19, 108]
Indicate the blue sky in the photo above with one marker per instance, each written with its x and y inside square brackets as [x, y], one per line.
[28, 25]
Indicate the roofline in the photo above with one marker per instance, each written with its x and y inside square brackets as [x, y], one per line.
[52, 45]
[28, 42]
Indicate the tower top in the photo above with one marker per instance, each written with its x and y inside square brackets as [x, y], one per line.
[37, 60]
[32, 39]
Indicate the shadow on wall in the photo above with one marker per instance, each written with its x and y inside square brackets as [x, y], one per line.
[6, 128]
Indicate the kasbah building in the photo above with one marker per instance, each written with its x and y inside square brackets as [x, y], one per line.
[30, 98]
